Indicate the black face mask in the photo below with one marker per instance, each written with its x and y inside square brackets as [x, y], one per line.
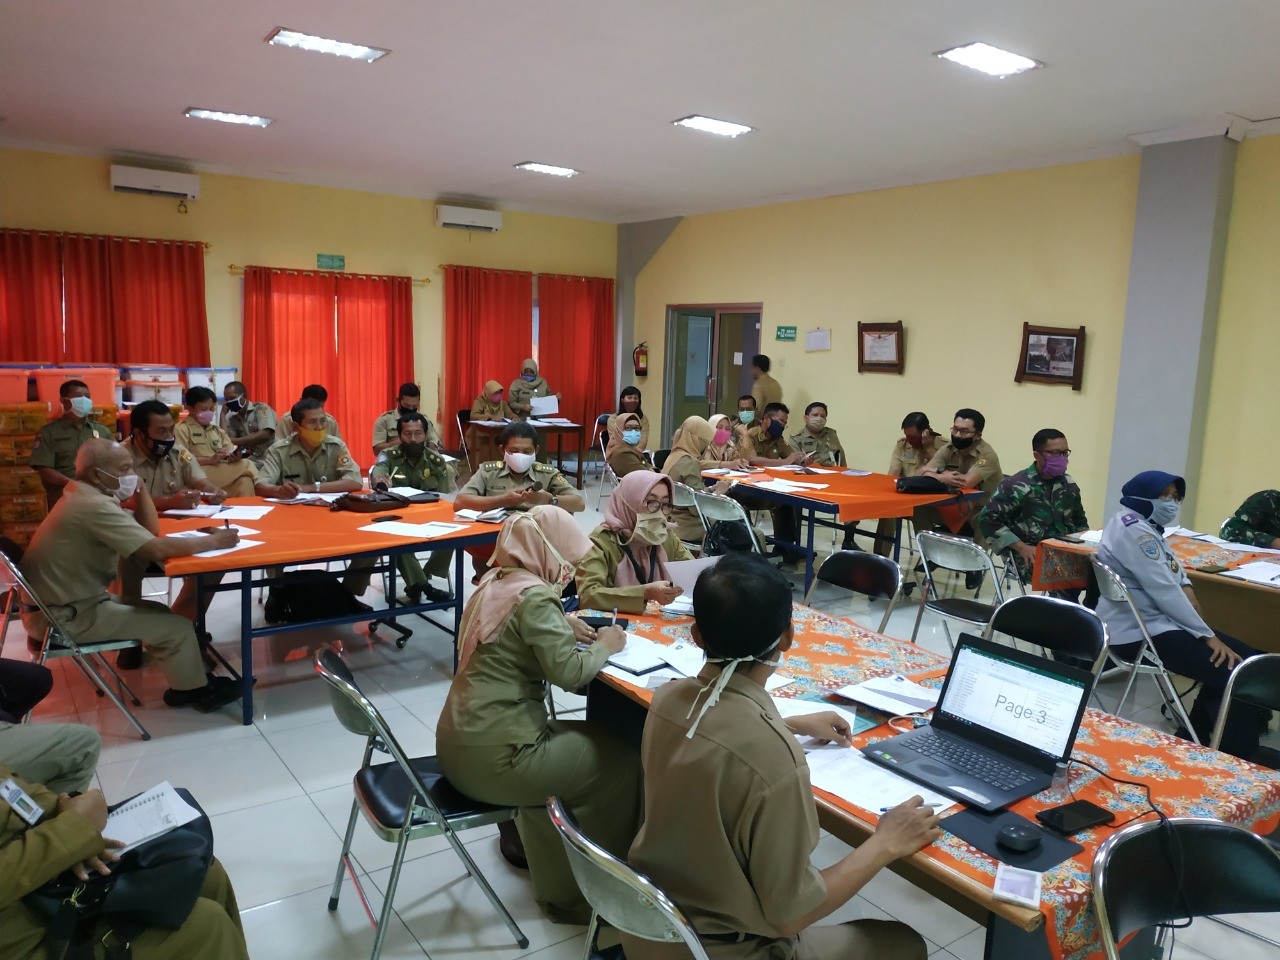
[237, 404]
[160, 448]
[775, 428]
[961, 443]
[405, 411]
[413, 450]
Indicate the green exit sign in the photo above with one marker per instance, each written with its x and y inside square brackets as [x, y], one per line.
[785, 333]
[336, 261]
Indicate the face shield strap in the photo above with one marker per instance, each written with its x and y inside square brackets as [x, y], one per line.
[716, 686]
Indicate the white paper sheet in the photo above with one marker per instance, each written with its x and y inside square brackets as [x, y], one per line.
[685, 657]
[306, 499]
[845, 772]
[857, 473]
[789, 486]
[638, 655]
[404, 491]
[240, 531]
[895, 694]
[241, 545]
[244, 513]
[1247, 548]
[1260, 571]
[681, 606]
[205, 511]
[544, 406]
[415, 531]
[651, 681]
[685, 573]
[149, 815]
[790, 707]
[490, 423]
[777, 681]
[1090, 536]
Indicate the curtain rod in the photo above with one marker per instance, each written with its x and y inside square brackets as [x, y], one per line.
[238, 271]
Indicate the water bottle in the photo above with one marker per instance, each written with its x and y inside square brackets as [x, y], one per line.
[1059, 789]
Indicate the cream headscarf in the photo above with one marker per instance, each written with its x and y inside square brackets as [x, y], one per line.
[721, 452]
[690, 441]
[542, 545]
[625, 503]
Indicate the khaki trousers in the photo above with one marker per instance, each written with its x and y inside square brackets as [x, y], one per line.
[855, 940]
[597, 776]
[235, 478]
[211, 932]
[62, 756]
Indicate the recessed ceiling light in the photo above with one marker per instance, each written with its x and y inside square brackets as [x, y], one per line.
[989, 60]
[722, 128]
[284, 37]
[246, 119]
[548, 168]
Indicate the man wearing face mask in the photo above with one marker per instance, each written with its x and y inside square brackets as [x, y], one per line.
[765, 446]
[54, 453]
[170, 474]
[746, 416]
[73, 558]
[968, 460]
[818, 441]
[222, 461]
[251, 425]
[1034, 504]
[312, 391]
[410, 464]
[1133, 545]
[518, 481]
[386, 429]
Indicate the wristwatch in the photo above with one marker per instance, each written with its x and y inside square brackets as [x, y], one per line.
[555, 501]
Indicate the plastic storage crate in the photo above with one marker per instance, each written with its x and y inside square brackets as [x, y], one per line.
[100, 380]
[215, 378]
[14, 384]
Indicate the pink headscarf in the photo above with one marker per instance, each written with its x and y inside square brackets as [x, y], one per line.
[539, 546]
[626, 501]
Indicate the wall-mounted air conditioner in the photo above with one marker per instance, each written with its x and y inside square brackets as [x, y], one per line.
[468, 218]
[155, 183]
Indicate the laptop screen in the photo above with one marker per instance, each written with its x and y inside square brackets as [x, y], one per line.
[1028, 704]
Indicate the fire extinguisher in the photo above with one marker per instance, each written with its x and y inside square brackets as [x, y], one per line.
[640, 358]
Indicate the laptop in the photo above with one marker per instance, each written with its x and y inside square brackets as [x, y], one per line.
[1004, 720]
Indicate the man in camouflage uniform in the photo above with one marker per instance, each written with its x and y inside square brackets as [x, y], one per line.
[410, 464]
[54, 454]
[1256, 522]
[1034, 504]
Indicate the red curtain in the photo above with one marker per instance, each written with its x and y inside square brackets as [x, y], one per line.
[30, 297]
[575, 343]
[488, 331]
[288, 335]
[375, 354]
[157, 301]
[86, 270]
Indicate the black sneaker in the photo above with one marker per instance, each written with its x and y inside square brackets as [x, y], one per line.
[436, 595]
[973, 580]
[129, 659]
[273, 611]
[206, 699]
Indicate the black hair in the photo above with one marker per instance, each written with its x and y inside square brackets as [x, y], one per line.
[761, 361]
[631, 392]
[64, 391]
[199, 395]
[916, 421]
[298, 412]
[237, 386]
[742, 605]
[142, 414]
[965, 413]
[313, 391]
[410, 418]
[517, 430]
[1044, 436]
[747, 396]
[408, 390]
[816, 403]
[776, 408]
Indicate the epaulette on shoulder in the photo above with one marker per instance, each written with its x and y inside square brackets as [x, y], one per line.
[1129, 519]
[544, 468]
[492, 465]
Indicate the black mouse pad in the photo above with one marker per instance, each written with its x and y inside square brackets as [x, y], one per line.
[980, 829]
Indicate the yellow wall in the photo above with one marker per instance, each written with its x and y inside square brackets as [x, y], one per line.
[286, 225]
[1241, 454]
[963, 264]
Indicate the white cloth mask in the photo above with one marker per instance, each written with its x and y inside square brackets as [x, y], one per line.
[519, 462]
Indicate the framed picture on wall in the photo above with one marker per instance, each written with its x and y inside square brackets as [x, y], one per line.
[881, 347]
[1051, 355]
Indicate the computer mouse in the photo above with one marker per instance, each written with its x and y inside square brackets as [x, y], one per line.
[1019, 837]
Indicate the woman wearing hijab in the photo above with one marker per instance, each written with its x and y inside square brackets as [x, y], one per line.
[627, 455]
[494, 739]
[1133, 545]
[525, 387]
[722, 451]
[685, 464]
[482, 443]
[626, 566]
[628, 403]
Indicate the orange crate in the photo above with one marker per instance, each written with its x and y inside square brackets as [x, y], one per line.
[100, 380]
[106, 414]
[23, 417]
[23, 508]
[19, 480]
[20, 533]
[16, 448]
[13, 385]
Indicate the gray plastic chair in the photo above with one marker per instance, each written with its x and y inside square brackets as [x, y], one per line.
[713, 508]
[1184, 867]
[1112, 586]
[867, 574]
[54, 643]
[606, 472]
[962, 556]
[1256, 681]
[625, 899]
[405, 799]
[684, 496]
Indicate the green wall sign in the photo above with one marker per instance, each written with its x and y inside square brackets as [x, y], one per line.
[785, 333]
[336, 261]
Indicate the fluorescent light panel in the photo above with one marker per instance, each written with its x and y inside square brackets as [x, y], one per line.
[989, 60]
[245, 119]
[550, 168]
[721, 128]
[284, 37]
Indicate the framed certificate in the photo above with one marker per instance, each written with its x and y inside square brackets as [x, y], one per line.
[880, 347]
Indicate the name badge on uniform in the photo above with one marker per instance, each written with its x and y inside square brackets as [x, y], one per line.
[20, 802]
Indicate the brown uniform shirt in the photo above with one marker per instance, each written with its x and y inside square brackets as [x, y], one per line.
[825, 447]
[739, 794]
[387, 429]
[257, 417]
[57, 444]
[757, 443]
[286, 460]
[978, 456]
[176, 470]
[907, 461]
[200, 441]
[494, 479]
[766, 390]
[286, 429]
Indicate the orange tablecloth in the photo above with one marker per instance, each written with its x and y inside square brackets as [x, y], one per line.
[1185, 779]
[301, 534]
[1062, 566]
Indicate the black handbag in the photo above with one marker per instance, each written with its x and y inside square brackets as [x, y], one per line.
[921, 485]
[379, 501]
[156, 884]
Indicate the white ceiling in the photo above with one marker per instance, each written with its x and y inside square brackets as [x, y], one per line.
[845, 94]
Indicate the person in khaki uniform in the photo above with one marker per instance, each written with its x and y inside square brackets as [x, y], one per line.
[287, 426]
[525, 387]
[54, 453]
[764, 389]
[411, 464]
[68, 836]
[817, 441]
[627, 455]
[170, 474]
[386, 428]
[494, 739]
[482, 444]
[251, 425]
[910, 455]
[73, 556]
[221, 460]
[62, 756]
[763, 446]
[629, 404]
[626, 567]
[518, 481]
[725, 777]
[968, 460]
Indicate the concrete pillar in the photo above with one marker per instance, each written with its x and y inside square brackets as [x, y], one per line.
[637, 243]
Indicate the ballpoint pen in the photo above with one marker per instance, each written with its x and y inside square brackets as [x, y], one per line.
[615, 617]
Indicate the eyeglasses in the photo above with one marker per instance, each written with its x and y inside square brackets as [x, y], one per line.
[963, 431]
[654, 505]
[1054, 453]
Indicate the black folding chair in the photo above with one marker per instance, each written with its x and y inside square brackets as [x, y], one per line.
[867, 574]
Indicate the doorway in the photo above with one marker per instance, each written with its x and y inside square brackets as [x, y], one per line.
[709, 349]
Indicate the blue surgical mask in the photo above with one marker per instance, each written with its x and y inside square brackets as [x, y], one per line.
[1165, 512]
[746, 416]
[81, 406]
[631, 436]
[528, 377]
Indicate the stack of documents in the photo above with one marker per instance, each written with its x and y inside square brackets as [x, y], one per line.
[240, 545]
[496, 515]
[1260, 571]
[544, 406]
[895, 695]
[845, 772]
[789, 486]
[201, 511]
[415, 531]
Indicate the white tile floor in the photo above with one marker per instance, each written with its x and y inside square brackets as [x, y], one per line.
[279, 795]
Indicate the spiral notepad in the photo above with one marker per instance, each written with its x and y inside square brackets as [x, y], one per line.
[149, 815]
